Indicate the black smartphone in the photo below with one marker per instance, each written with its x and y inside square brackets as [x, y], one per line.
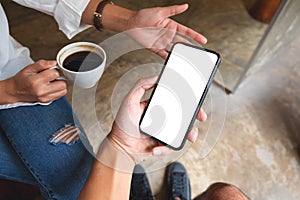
[179, 93]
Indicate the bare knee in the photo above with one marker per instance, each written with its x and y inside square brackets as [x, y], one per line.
[222, 191]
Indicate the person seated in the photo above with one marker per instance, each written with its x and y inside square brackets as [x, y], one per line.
[112, 174]
[33, 108]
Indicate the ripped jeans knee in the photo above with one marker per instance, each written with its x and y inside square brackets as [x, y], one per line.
[66, 135]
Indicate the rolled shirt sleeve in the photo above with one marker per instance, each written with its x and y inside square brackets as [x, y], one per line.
[67, 13]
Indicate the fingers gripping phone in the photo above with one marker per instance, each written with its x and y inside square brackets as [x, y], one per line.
[179, 94]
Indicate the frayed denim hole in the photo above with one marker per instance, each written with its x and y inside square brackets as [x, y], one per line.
[69, 134]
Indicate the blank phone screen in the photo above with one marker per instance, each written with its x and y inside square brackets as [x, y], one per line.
[177, 95]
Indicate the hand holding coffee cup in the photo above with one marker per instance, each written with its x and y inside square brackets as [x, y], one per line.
[81, 63]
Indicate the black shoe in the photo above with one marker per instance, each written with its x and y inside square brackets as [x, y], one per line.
[178, 182]
[140, 187]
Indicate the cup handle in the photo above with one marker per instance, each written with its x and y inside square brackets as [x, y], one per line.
[60, 78]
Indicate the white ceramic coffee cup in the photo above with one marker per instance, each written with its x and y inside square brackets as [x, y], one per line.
[83, 79]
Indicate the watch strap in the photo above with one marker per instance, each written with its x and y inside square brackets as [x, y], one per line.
[98, 14]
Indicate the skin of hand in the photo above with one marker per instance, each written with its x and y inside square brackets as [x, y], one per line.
[167, 30]
[164, 30]
[125, 132]
[108, 171]
[35, 83]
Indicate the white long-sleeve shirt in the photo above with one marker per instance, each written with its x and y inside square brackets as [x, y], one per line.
[67, 13]
[13, 56]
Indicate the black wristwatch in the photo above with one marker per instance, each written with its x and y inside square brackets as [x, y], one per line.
[98, 14]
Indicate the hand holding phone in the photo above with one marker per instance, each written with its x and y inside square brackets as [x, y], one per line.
[179, 94]
[125, 131]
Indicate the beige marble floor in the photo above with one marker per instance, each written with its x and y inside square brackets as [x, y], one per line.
[251, 139]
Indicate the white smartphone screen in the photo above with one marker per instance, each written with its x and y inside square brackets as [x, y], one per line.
[179, 94]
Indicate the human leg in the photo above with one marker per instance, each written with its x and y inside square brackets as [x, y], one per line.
[60, 170]
[12, 167]
[222, 191]
[178, 182]
[179, 187]
[140, 187]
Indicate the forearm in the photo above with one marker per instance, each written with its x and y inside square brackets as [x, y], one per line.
[110, 176]
[114, 17]
[106, 183]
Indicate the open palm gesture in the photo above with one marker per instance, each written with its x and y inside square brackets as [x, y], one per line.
[154, 29]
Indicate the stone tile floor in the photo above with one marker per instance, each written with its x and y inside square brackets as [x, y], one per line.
[251, 138]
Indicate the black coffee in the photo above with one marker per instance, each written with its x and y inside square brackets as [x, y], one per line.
[82, 61]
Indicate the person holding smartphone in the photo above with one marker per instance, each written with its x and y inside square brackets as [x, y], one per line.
[32, 105]
[124, 147]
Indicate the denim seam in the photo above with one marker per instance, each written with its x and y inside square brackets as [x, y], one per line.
[11, 178]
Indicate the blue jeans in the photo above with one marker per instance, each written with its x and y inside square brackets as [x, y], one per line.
[26, 155]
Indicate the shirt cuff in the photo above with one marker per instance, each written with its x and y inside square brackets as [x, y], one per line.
[18, 104]
[68, 16]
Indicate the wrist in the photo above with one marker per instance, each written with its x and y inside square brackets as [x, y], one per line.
[125, 142]
[113, 17]
[7, 95]
[117, 18]
[114, 156]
